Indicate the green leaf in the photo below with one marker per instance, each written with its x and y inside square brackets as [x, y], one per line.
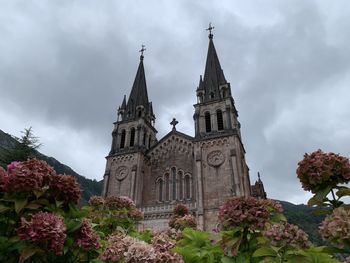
[3, 208]
[20, 204]
[344, 191]
[33, 206]
[265, 252]
[26, 254]
[227, 260]
[73, 225]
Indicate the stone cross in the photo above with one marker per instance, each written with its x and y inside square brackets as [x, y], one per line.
[174, 122]
[210, 28]
[142, 49]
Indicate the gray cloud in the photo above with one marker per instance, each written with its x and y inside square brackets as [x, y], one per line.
[64, 67]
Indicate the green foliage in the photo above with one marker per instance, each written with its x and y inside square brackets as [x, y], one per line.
[196, 246]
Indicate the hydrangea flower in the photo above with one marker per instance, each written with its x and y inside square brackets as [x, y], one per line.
[65, 188]
[117, 247]
[246, 212]
[27, 176]
[44, 229]
[86, 238]
[135, 214]
[181, 210]
[318, 170]
[285, 234]
[96, 200]
[140, 251]
[3, 179]
[336, 227]
[119, 202]
[185, 221]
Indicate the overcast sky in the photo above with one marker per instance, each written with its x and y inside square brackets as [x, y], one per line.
[65, 66]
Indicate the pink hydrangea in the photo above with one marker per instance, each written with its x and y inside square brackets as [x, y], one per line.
[135, 214]
[185, 221]
[272, 205]
[285, 234]
[336, 227]
[27, 176]
[117, 247]
[96, 200]
[119, 202]
[246, 212]
[65, 188]
[86, 238]
[12, 167]
[181, 210]
[140, 252]
[318, 170]
[45, 229]
[162, 242]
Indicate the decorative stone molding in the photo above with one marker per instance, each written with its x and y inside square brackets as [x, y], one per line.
[215, 158]
[121, 173]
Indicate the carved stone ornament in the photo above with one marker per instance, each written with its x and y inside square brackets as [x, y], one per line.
[215, 158]
[121, 173]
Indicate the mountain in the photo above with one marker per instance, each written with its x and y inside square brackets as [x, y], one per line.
[89, 187]
[304, 217]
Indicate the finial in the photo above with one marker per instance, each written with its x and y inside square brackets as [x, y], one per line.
[174, 122]
[259, 176]
[210, 28]
[142, 50]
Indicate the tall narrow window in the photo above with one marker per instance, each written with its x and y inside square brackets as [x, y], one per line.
[187, 187]
[160, 189]
[149, 141]
[181, 185]
[132, 137]
[167, 187]
[144, 138]
[219, 120]
[212, 95]
[173, 171]
[122, 139]
[207, 122]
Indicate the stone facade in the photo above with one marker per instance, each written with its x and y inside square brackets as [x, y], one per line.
[201, 171]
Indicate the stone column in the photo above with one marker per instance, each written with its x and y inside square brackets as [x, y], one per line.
[200, 206]
[235, 170]
[228, 118]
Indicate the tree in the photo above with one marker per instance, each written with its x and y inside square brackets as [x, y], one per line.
[24, 148]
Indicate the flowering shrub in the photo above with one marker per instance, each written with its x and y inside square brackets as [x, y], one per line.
[65, 188]
[3, 179]
[319, 170]
[336, 227]
[86, 238]
[245, 212]
[181, 210]
[284, 234]
[24, 177]
[185, 221]
[115, 202]
[96, 200]
[46, 230]
[116, 248]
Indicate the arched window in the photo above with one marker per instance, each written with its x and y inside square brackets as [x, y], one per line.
[139, 113]
[181, 185]
[219, 120]
[173, 171]
[207, 122]
[149, 141]
[122, 139]
[144, 138]
[187, 187]
[132, 137]
[212, 95]
[224, 93]
[167, 187]
[160, 190]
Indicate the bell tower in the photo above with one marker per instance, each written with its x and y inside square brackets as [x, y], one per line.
[133, 134]
[220, 163]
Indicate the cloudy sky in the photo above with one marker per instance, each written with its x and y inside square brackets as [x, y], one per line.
[65, 65]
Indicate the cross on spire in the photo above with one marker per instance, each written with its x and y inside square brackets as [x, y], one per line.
[174, 123]
[142, 50]
[210, 28]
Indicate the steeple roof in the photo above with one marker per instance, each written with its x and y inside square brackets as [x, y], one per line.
[138, 95]
[213, 75]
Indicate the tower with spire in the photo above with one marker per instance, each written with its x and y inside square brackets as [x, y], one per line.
[200, 171]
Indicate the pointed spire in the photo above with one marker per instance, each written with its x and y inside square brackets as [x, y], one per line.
[213, 75]
[123, 107]
[200, 84]
[138, 95]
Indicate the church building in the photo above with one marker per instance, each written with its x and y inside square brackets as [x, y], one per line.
[200, 171]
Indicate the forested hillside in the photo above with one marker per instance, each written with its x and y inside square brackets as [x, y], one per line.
[89, 187]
